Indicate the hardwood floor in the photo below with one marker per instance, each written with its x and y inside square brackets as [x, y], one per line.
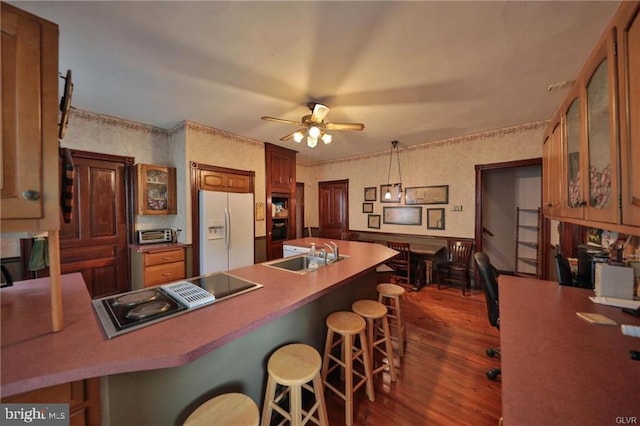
[441, 379]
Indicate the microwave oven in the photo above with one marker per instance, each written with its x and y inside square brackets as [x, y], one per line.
[152, 236]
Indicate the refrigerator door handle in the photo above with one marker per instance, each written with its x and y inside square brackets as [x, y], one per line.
[227, 228]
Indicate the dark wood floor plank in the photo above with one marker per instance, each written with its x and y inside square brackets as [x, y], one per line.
[441, 379]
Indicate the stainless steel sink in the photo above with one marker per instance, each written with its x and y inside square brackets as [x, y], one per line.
[300, 264]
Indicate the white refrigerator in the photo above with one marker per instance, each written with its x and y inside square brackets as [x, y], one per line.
[226, 231]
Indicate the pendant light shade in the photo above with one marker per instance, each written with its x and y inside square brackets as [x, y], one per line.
[387, 195]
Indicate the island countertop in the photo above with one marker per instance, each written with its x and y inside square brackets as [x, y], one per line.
[33, 357]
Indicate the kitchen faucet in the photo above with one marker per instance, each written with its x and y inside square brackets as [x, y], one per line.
[334, 250]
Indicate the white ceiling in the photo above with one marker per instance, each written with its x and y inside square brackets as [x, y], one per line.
[410, 71]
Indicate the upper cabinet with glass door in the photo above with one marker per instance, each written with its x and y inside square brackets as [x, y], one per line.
[601, 140]
[591, 141]
[573, 158]
[628, 30]
[156, 190]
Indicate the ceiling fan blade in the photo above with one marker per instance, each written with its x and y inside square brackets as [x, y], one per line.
[344, 126]
[282, 120]
[319, 113]
[289, 136]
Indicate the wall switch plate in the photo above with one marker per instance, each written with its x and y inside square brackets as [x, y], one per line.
[457, 208]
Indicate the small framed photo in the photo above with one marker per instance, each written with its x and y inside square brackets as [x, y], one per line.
[427, 195]
[370, 194]
[367, 207]
[394, 190]
[373, 221]
[435, 218]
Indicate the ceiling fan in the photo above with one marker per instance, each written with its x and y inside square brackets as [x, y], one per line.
[314, 126]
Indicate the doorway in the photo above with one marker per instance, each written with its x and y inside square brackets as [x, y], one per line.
[333, 208]
[500, 189]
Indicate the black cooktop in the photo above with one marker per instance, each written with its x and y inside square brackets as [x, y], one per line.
[135, 309]
[223, 285]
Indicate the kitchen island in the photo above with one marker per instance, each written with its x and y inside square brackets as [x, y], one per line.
[158, 374]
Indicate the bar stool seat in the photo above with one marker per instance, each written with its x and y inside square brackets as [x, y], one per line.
[347, 325]
[390, 295]
[229, 409]
[293, 367]
[375, 313]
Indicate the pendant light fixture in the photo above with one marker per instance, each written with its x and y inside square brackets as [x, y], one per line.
[387, 195]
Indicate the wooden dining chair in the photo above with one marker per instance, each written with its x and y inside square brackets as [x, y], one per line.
[455, 271]
[401, 264]
[351, 236]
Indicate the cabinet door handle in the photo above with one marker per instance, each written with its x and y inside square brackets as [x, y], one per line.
[31, 195]
[166, 258]
[166, 274]
[582, 203]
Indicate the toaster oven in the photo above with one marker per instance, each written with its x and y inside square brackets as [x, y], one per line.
[151, 236]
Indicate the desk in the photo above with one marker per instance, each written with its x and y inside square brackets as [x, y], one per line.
[558, 369]
[426, 254]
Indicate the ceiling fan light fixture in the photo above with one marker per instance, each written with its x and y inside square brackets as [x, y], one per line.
[314, 132]
[311, 141]
[298, 136]
[326, 138]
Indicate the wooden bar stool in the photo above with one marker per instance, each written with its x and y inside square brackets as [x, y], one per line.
[375, 313]
[347, 326]
[229, 409]
[390, 295]
[293, 367]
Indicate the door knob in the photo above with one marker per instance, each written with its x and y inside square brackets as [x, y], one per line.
[31, 195]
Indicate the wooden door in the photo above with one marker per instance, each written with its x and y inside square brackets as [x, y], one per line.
[95, 242]
[333, 205]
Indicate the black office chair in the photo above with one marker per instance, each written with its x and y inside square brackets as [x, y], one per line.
[563, 270]
[489, 276]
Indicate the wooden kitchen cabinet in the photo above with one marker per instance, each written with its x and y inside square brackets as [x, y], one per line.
[30, 179]
[156, 190]
[281, 168]
[211, 180]
[83, 397]
[29, 141]
[281, 191]
[600, 137]
[157, 266]
[628, 25]
[552, 170]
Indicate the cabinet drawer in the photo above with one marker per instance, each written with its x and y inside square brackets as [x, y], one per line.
[160, 274]
[162, 257]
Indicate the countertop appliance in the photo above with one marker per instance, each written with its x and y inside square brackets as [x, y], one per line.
[226, 231]
[151, 236]
[130, 311]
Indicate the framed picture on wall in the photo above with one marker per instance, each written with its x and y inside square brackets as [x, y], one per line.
[435, 218]
[370, 193]
[373, 221]
[427, 195]
[367, 207]
[402, 215]
[394, 190]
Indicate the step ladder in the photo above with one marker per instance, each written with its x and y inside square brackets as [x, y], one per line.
[528, 237]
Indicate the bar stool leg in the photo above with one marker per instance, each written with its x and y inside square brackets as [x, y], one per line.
[388, 348]
[367, 366]
[267, 409]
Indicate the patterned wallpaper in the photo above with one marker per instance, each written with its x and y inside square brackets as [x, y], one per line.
[446, 162]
